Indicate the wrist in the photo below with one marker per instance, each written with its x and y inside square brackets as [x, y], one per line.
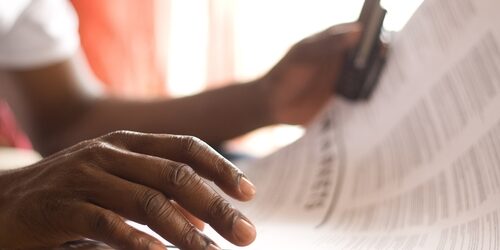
[262, 93]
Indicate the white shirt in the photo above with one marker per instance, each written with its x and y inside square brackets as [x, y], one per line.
[35, 33]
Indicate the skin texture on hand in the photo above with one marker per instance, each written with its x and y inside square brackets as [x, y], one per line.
[87, 190]
[304, 80]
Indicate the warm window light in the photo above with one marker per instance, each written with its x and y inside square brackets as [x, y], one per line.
[264, 30]
[187, 47]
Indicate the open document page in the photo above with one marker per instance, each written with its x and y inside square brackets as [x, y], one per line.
[416, 167]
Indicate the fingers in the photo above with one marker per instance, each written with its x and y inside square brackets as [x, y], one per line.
[192, 151]
[141, 159]
[181, 183]
[190, 217]
[132, 207]
[344, 36]
[328, 43]
[93, 222]
[148, 206]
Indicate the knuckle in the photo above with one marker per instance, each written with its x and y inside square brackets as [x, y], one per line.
[218, 169]
[181, 176]
[118, 137]
[222, 167]
[224, 171]
[190, 236]
[219, 208]
[117, 134]
[105, 223]
[192, 145]
[187, 234]
[78, 146]
[135, 241]
[97, 151]
[154, 203]
[167, 211]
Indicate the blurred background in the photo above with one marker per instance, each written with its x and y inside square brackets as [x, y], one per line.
[174, 48]
[214, 42]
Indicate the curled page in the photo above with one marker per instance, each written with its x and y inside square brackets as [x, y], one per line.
[417, 167]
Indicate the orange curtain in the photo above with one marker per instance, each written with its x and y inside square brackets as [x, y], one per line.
[120, 42]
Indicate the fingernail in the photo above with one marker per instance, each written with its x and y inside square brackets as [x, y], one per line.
[156, 246]
[246, 187]
[213, 247]
[244, 231]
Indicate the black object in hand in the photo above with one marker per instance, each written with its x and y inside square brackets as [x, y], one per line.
[365, 63]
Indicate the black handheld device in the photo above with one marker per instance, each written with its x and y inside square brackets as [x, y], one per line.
[364, 65]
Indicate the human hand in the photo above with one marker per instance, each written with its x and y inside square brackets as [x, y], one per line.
[85, 192]
[303, 81]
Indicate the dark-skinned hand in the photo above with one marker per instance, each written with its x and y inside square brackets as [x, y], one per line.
[88, 190]
[300, 84]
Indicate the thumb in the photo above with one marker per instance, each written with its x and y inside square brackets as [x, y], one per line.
[347, 35]
[338, 39]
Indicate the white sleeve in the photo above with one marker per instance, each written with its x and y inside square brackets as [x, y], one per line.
[42, 33]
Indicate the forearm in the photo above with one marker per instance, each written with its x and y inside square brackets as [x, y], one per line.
[56, 110]
[214, 116]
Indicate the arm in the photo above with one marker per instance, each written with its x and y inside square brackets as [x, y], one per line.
[60, 111]
[78, 192]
